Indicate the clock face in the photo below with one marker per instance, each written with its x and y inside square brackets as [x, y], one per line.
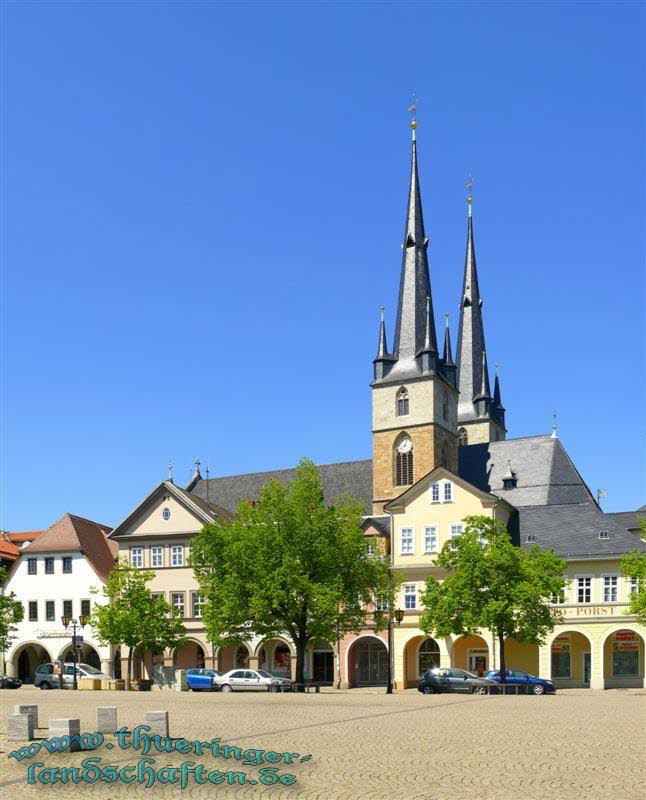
[405, 445]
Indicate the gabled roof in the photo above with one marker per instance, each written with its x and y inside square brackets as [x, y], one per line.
[572, 531]
[203, 510]
[629, 519]
[379, 521]
[544, 471]
[79, 535]
[432, 476]
[349, 477]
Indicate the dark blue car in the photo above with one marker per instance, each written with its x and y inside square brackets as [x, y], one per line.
[516, 677]
[202, 680]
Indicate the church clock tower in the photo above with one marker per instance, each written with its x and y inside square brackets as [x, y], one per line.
[414, 391]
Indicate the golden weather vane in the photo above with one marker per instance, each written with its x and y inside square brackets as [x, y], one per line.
[412, 108]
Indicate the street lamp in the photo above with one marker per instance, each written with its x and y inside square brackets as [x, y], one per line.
[398, 614]
[67, 621]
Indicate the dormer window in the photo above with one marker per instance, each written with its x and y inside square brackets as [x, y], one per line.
[531, 537]
[604, 535]
[509, 483]
[402, 402]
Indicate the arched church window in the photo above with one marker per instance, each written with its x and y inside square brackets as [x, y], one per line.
[402, 402]
[404, 461]
[463, 436]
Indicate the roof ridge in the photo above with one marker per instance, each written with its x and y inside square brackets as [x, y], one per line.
[288, 469]
[85, 519]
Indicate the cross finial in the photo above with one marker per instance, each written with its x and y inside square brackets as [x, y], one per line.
[197, 466]
[469, 187]
[412, 108]
[170, 470]
[554, 426]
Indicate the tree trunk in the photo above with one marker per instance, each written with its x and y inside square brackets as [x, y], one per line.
[129, 673]
[300, 664]
[503, 677]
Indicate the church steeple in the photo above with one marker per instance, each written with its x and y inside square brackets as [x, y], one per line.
[475, 401]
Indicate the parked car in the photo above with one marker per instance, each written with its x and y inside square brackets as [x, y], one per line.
[517, 677]
[202, 680]
[8, 682]
[254, 680]
[449, 679]
[45, 677]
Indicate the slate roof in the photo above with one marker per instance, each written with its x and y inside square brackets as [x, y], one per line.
[572, 531]
[349, 477]
[545, 474]
[629, 519]
[77, 534]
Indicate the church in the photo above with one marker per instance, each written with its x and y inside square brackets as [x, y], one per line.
[440, 453]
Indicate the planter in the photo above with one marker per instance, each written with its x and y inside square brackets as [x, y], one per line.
[116, 685]
[89, 684]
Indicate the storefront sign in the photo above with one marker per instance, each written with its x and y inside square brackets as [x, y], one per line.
[625, 636]
[594, 611]
[561, 643]
[51, 635]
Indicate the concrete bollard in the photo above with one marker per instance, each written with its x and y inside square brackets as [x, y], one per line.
[158, 722]
[66, 727]
[106, 719]
[20, 727]
[28, 709]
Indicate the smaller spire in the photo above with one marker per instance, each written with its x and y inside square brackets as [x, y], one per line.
[382, 348]
[554, 426]
[384, 360]
[430, 345]
[448, 356]
[485, 391]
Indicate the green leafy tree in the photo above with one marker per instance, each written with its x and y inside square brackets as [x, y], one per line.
[133, 617]
[288, 565]
[493, 584]
[11, 613]
[633, 565]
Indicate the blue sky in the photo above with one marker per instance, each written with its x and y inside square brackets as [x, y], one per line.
[203, 207]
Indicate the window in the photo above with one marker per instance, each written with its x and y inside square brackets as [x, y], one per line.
[604, 535]
[430, 539]
[166, 513]
[410, 596]
[50, 611]
[531, 537]
[463, 437]
[68, 610]
[32, 566]
[558, 599]
[177, 601]
[404, 462]
[33, 611]
[402, 402]
[561, 665]
[509, 483]
[157, 556]
[435, 493]
[381, 603]
[610, 587]
[407, 541]
[136, 556]
[49, 566]
[448, 492]
[67, 565]
[584, 590]
[625, 664]
[633, 586]
[197, 601]
[177, 555]
[371, 549]
[157, 595]
[85, 608]
[456, 530]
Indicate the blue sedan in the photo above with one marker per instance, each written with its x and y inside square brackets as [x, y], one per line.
[202, 680]
[516, 677]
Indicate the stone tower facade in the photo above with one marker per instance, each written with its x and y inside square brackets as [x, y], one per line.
[414, 391]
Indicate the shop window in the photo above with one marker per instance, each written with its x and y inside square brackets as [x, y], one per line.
[560, 665]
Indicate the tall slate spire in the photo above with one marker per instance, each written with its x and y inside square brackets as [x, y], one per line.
[471, 341]
[415, 327]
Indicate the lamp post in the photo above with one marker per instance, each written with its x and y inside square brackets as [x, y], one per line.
[66, 623]
[398, 615]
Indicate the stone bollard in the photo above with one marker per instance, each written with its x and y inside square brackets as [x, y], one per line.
[20, 727]
[106, 719]
[32, 710]
[158, 722]
[66, 727]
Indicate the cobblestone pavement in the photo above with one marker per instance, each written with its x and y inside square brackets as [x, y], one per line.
[366, 745]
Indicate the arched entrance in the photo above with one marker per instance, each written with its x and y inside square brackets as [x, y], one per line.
[233, 657]
[116, 664]
[522, 655]
[623, 659]
[262, 659]
[27, 658]
[471, 653]
[420, 654]
[86, 654]
[322, 662]
[571, 659]
[368, 662]
[189, 656]
[282, 663]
